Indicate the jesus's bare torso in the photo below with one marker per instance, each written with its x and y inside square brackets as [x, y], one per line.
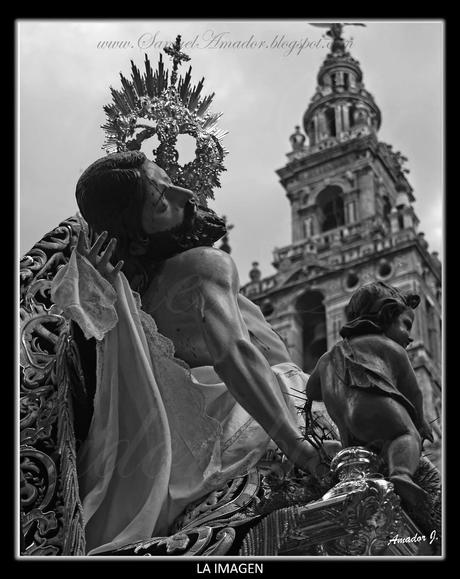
[176, 299]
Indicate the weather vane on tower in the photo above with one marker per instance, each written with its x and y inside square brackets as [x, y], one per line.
[335, 32]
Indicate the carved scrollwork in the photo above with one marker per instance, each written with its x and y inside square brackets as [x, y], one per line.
[372, 512]
[53, 250]
[39, 337]
[38, 411]
[207, 507]
[223, 541]
[189, 543]
[356, 517]
[41, 527]
[208, 526]
[202, 540]
[224, 505]
[39, 478]
[370, 519]
[30, 265]
[48, 482]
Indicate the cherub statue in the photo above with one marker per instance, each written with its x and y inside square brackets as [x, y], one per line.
[369, 387]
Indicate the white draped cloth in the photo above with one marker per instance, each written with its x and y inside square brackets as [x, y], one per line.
[162, 435]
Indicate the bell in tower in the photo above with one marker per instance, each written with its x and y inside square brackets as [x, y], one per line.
[319, 342]
[312, 321]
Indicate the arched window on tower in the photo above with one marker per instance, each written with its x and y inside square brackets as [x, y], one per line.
[311, 132]
[330, 201]
[346, 81]
[334, 81]
[386, 208]
[361, 115]
[312, 317]
[351, 113]
[330, 120]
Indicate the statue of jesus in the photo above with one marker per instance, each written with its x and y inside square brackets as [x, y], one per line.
[193, 385]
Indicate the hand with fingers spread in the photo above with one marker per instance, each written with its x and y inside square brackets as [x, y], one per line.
[100, 262]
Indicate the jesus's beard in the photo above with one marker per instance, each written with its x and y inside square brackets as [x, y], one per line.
[200, 227]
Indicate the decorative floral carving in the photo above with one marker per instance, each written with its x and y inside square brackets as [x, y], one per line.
[356, 517]
[371, 519]
[207, 527]
[50, 510]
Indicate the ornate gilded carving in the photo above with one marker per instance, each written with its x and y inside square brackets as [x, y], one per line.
[223, 504]
[356, 517]
[203, 541]
[51, 522]
[373, 514]
[371, 519]
[207, 527]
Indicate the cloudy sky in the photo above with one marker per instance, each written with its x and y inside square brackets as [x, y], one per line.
[263, 86]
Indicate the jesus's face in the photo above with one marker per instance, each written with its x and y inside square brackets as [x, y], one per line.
[165, 205]
[172, 218]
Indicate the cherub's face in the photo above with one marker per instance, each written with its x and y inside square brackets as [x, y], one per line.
[400, 328]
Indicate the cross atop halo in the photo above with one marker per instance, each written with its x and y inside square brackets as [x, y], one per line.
[174, 52]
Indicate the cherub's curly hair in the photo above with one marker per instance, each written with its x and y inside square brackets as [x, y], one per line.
[374, 306]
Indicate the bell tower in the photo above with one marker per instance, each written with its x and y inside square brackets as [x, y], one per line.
[341, 101]
[352, 221]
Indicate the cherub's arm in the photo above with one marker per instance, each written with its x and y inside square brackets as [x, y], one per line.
[239, 363]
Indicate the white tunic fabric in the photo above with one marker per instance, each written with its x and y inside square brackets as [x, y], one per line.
[161, 435]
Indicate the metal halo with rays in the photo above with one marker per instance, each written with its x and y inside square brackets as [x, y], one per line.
[169, 106]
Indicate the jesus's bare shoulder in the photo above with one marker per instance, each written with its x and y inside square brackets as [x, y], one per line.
[212, 265]
[186, 285]
[181, 289]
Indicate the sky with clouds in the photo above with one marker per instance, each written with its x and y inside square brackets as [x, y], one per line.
[263, 74]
